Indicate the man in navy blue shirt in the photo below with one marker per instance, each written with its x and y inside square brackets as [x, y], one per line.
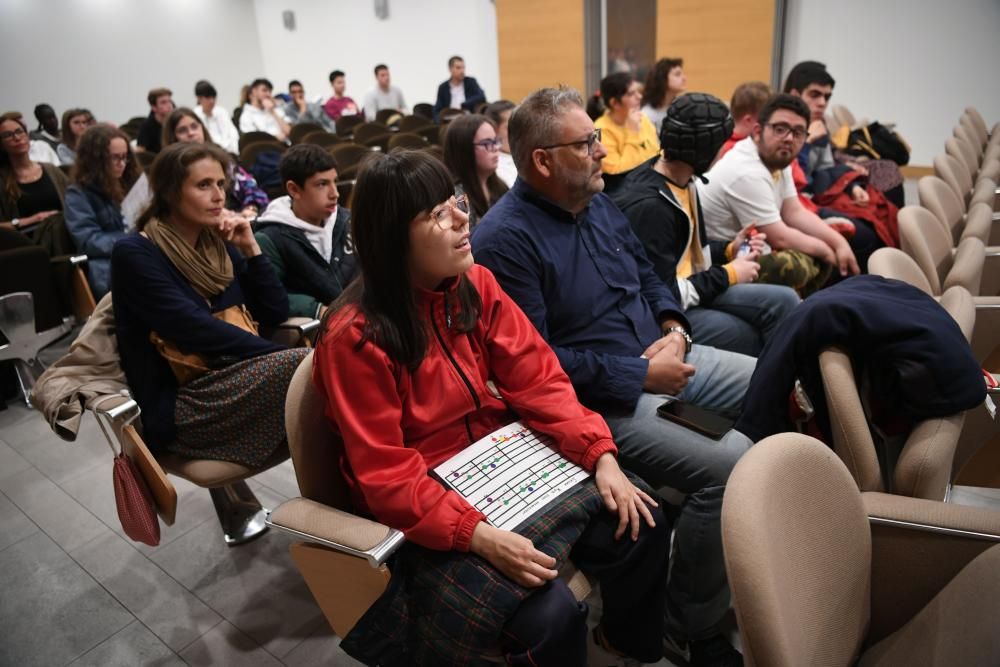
[563, 251]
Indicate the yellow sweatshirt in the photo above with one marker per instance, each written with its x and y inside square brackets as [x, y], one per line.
[626, 149]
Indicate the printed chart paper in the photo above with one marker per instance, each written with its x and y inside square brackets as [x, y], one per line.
[510, 474]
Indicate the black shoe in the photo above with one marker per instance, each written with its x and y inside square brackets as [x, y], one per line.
[715, 651]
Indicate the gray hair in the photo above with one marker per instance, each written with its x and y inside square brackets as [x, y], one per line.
[536, 122]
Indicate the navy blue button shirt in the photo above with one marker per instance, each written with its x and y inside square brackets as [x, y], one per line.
[585, 282]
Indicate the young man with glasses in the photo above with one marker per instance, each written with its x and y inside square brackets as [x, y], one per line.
[752, 184]
[567, 256]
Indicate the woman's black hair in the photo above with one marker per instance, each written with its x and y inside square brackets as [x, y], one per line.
[613, 87]
[391, 190]
[460, 158]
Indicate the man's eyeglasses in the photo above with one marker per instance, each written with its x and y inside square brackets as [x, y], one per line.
[13, 134]
[442, 215]
[589, 142]
[781, 131]
[488, 145]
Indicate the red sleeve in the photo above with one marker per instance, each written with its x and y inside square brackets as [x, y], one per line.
[363, 401]
[530, 379]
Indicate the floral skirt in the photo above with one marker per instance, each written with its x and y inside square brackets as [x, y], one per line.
[236, 414]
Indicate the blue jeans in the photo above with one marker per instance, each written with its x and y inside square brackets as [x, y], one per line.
[742, 318]
[667, 454]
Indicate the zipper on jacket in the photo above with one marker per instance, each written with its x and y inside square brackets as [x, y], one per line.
[461, 373]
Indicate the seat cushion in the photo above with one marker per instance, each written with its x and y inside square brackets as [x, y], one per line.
[957, 627]
[213, 474]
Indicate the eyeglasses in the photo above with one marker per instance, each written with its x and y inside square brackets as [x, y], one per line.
[781, 131]
[13, 134]
[489, 145]
[120, 159]
[442, 215]
[589, 142]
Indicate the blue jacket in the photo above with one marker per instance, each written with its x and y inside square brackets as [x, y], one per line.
[95, 223]
[473, 95]
[585, 283]
[150, 294]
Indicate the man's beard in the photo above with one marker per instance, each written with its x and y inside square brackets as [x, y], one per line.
[777, 164]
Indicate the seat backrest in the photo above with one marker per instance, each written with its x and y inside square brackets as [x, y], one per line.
[978, 122]
[852, 438]
[843, 115]
[959, 303]
[315, 447]
[951, 171]
[798, 554]
[923, 468]
[969, 137]
[938, 198]
[922, 237]
[955, 148]
[896, 264]
[970, 126]
[300, 130]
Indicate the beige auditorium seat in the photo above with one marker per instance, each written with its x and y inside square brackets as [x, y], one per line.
[940, 199]
[979, 135]
[980, 124]
[957, 148]
[951, 170]
[824, 575]
[924, 238]
[343, 557]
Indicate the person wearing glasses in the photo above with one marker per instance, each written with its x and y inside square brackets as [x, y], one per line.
[405, 363]
[567, 256]
[472, 153]
[753, 184]
[629, 137]
[105, 170]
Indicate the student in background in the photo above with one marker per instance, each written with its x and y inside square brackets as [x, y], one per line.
[472, 152]
[383, 95]
[339, 103]
[499, 112]
[627, 134]
[74, 123]
[663, 84]
[298, 110]
[216, 118]
[161, 103]
[423, 398]
[104, 172]
[459, 91]
[261, 113]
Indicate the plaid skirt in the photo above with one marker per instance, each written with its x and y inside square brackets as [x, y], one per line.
[237, 413]
[449, 608]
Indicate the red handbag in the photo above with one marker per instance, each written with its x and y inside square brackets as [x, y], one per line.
[135, 503]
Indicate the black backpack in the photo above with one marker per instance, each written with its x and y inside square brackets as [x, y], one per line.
[878, 142]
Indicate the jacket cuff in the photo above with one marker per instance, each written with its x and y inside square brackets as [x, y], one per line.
[466, 525]
[731, 272]
[596, 451]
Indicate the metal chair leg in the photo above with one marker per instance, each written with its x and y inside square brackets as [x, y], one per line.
[240, 513]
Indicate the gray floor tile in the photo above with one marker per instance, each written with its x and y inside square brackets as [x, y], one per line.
[52, 509]
[322, 647]
[254, 586]
[226, 645]
[174, 614]
[28, 427]
[95, 491]
[135, 645]
[11, 462]
[61, 460]
[51, 611]
[14, 525]
[15, 413]
[281, 480]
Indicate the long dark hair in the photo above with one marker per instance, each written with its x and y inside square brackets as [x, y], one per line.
[92, 167]
[68, 137]
[10, 187]
[613, 87]
[173, 120]
[460, 158]
[168, 173]
[654, 93]
[391, 190]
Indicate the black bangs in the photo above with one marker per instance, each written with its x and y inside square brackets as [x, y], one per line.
[424, 182]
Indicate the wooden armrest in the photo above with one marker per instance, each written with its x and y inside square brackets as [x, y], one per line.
[336, 529]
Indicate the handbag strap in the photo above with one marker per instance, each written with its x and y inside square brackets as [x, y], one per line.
[100, 422]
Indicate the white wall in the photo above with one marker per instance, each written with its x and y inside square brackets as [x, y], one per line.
[415, 42]
[918, 64]
[105, 55]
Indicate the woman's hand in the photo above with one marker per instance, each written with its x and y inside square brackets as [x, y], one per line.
[621, 496]
[746, 268]
[234, 228]
[859, 195]
[513, 554]
[634, 120]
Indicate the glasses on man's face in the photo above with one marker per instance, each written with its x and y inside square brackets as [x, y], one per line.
[443, 214]
[13, 134]
[488, 145]
[119, 159]
[589, 142]
[781, 130]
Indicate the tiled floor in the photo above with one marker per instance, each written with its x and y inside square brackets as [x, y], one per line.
[75, 590]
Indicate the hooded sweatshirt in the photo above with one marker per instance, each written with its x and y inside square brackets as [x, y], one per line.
[315, 263]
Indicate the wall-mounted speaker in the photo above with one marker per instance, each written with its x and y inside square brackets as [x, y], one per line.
[288, 18]
[382, 9]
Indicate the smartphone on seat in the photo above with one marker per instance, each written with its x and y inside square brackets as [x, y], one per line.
[700, 420]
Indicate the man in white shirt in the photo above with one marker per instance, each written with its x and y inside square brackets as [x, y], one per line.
[384, 95]
[261, 114]
[752, 184]
[216, 119]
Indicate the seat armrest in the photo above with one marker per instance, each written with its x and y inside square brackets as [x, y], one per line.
[295, 331]
[918, 546]
[336, 529]
[74, 260]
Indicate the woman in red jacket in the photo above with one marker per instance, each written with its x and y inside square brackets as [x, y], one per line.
[403, 364]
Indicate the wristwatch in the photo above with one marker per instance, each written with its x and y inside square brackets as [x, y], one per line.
[684, 334]
[15, 222]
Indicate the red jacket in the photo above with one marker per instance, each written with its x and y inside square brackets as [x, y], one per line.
[396, 425]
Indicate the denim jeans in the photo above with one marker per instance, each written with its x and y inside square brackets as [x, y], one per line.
[667, 454]
[742, 318]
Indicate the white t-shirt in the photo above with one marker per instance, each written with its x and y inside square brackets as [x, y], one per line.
[741, 190]
[253, 119]
[458, 96]
[506, 169]
[220, 128]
